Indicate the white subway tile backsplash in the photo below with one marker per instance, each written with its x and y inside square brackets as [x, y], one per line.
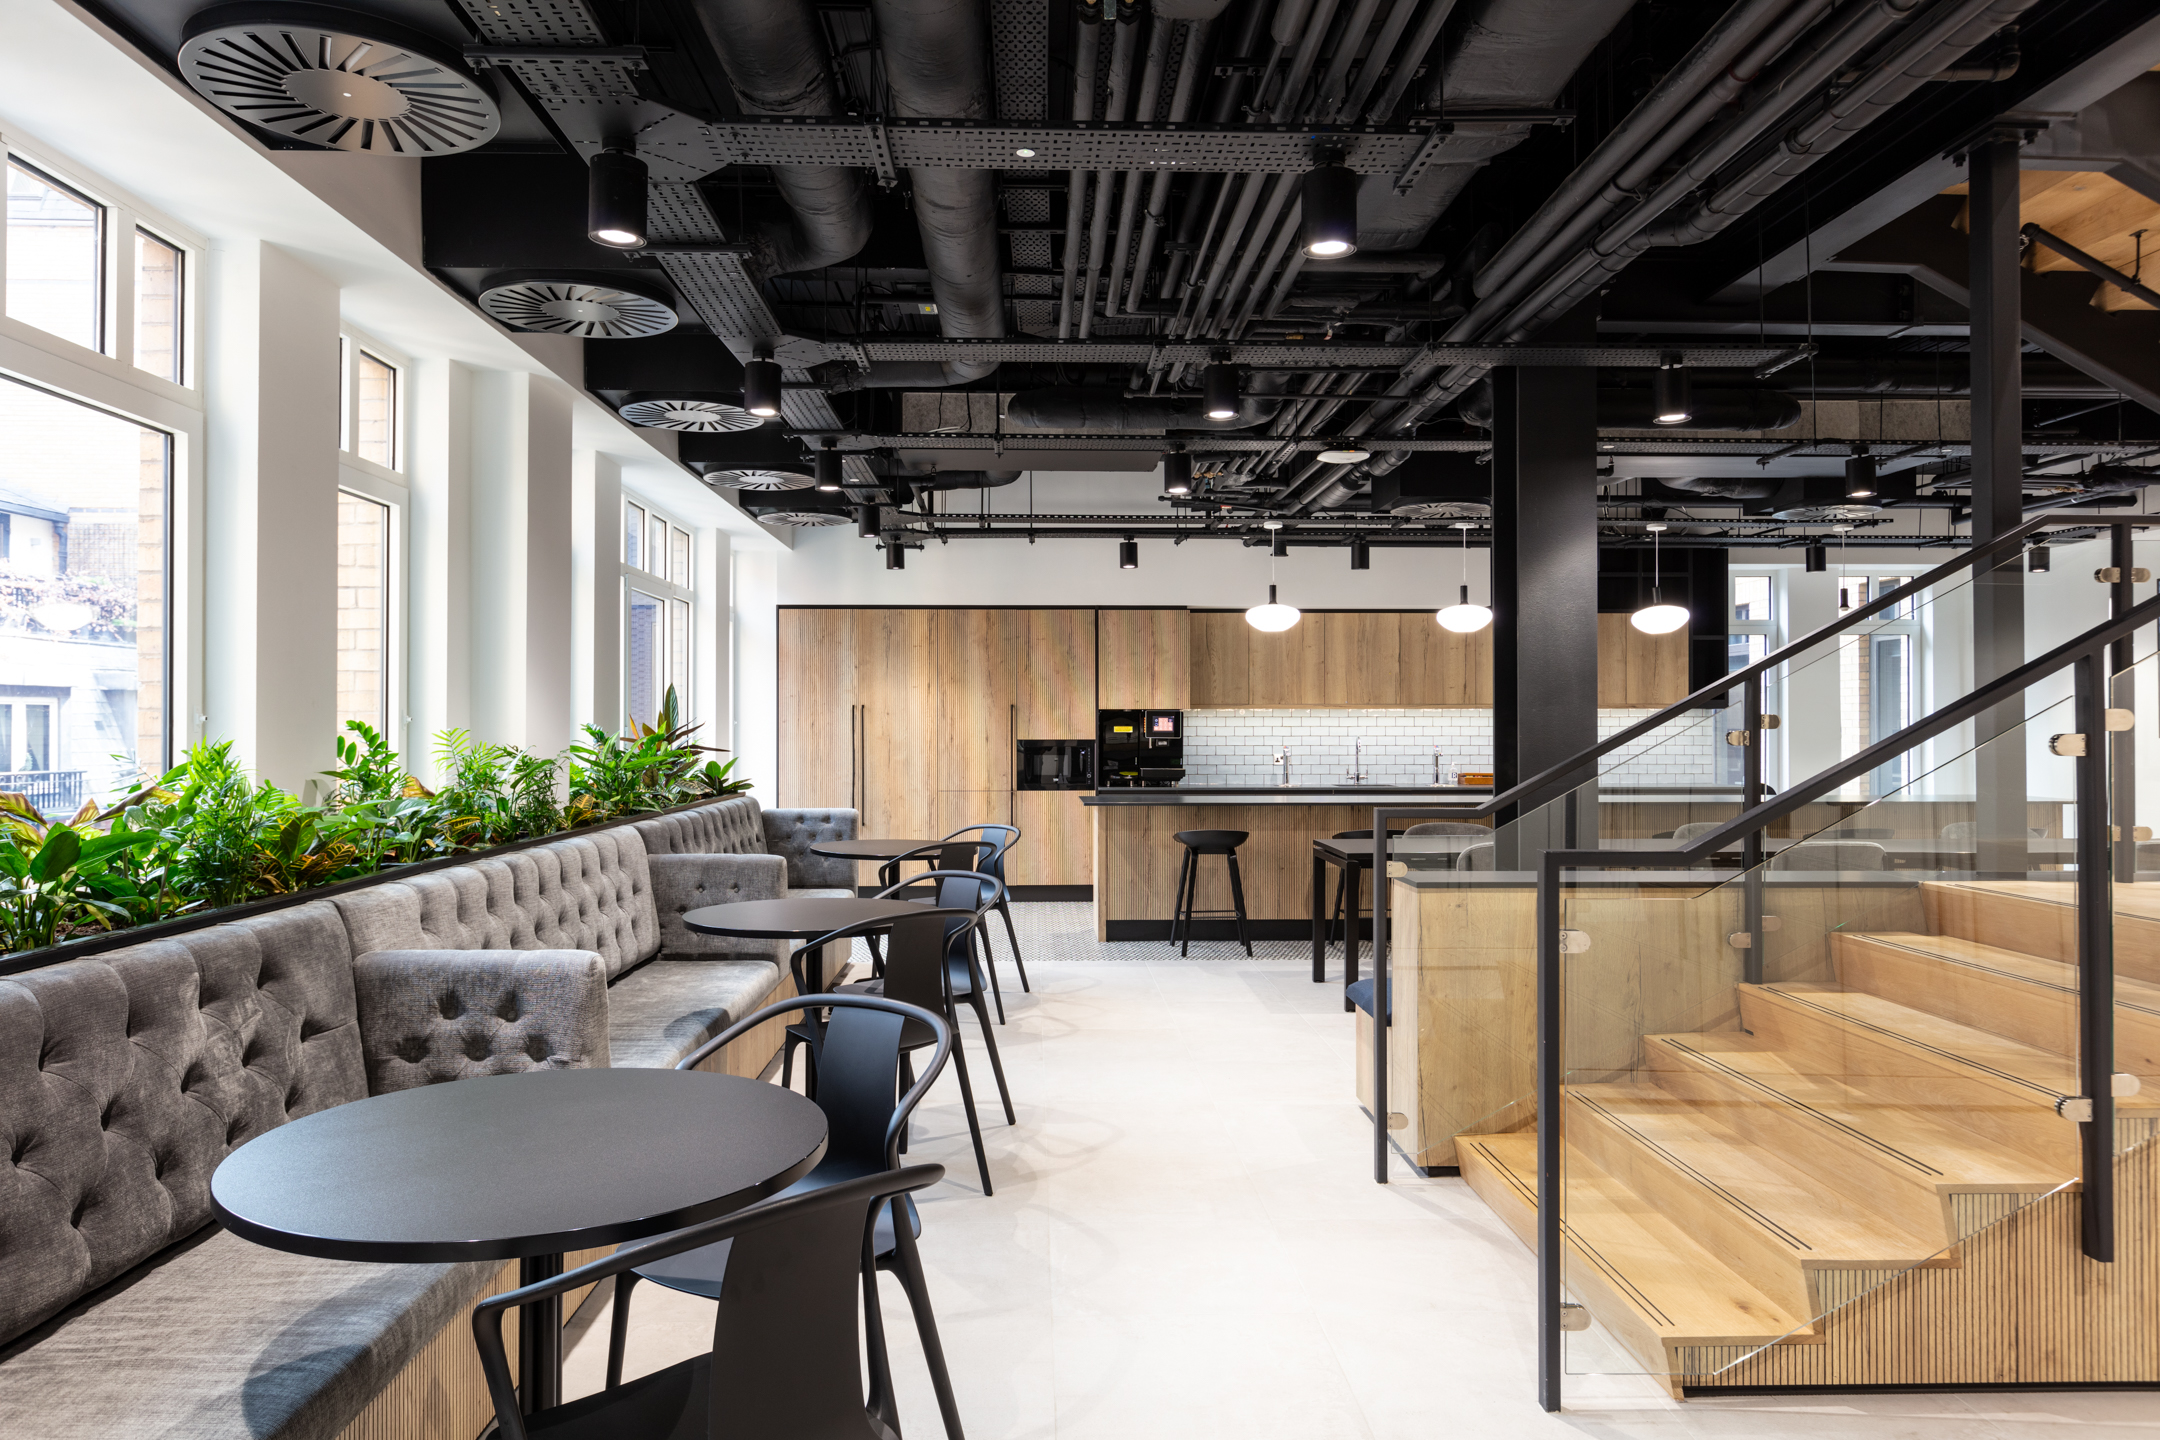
[1235, 747]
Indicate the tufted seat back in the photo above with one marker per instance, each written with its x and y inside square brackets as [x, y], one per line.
[731, 827]
[125, 1078]
[792, 832]
[587, 892]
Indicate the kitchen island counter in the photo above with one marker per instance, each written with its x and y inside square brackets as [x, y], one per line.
[1363, 796]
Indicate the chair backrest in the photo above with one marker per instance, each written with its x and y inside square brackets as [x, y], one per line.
[1447, 827]
[995, 841]
[1476, 857]
[1695, 827]
[915, 950]
[1832, 855]
[785, 1340]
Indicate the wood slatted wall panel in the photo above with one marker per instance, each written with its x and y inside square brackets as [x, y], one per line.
[440, 1394]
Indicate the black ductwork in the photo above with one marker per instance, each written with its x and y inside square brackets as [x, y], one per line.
[1712, 407]
[1083, 410]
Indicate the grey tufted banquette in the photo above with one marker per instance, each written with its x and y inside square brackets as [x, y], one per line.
[125, 1078]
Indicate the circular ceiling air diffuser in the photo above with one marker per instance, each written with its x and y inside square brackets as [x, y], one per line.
[337, 79]
[1443, 510]
[759, 479]
[1825, 514]
[803, 519]
[572, 307]
[703, 417]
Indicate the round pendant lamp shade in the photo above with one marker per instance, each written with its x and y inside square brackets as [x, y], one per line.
[1273, 616]
[1463, 617]
[1659, 619]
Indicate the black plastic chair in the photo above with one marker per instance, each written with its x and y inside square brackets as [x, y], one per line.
[933, 965]
[1207, 842]
[941, 855]
[996, 842]
[785, 1338]
[862, 1065]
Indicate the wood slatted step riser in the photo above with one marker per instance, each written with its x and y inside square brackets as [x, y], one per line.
[1998, 1110]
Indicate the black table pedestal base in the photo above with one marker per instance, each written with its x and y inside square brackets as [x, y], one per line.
[540, 1338]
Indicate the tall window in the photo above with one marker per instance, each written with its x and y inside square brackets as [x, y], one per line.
[1875, 676]
[158, 301]
[363, 611]
[83, 604]
[658, 616]
[375, 410]
[55, 257]
[1750, 631]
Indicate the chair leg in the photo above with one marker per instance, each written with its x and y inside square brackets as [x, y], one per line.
[1191, 900]
[1013, 936]
[997, 1067]
[1177, 906]
[989, 963]
[907, 1269]
[1237, 901]
[619, 1326]
[787, 1060]
[1335, 911]
[967, 1106]
[879, 1401]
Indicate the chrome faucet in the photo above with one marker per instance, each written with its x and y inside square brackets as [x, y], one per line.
[1436, 763]
[1282, 758]
[1357, 760]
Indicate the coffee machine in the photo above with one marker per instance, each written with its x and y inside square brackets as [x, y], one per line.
[1139, 748]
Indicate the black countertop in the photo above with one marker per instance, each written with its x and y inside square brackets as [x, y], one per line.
[1288, 795]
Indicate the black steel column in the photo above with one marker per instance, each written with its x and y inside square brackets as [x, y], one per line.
[2096, 965]
[1544, 569]
[1998, 500]
[2122, 744]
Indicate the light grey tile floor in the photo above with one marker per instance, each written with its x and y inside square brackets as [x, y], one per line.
[1186, 1242]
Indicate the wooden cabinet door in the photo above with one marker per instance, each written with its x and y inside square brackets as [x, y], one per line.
[1285, 669]
[976, 694]
[1143, 659]
[896, 678]
[956, 808]
[1054, 654]
[1360, 658]
[1219, 654]
[1638, 671]
[1056, 840]
[817, 709]
[1442, 668]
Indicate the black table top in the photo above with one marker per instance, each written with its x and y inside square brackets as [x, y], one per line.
[804, 919]
[1362, 850]
[506, 1166]
[868, 849]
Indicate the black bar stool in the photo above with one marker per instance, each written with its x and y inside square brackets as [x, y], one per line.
[1207, 842]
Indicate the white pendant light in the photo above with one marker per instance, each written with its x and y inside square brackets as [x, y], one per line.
[1463, 617]
[1273, 616]
[1658, 618]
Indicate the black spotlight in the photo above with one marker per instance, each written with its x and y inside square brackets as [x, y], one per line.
[2038, 559]
[1860, 481]
[1818, 559]
[1128, 554]
[761, 387]
[1329, 200]
[1281, 548]
[895, 556]
[866, 522]
[1670, 404]
[828, 469]
[1177, 473]
[615, 200]
[1219, 386]
[1360, 555]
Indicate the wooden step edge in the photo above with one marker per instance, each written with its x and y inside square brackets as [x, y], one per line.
[2041, 1096]
[2143, 996]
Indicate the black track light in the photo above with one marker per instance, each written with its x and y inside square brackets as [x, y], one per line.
[1219, 388]
[2038, 559]
[866, 522]
[1281, 548]
[615, 200]
[828, 469]
[761, 386]
[895, 556]
[1818, 559]
[1360, 555]
[1670, 404]
[1860, 483]
[1177, 473]
[1128, 554]
[1328, 198]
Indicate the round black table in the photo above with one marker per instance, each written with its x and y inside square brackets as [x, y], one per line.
[804, 919]
[519, 1167]
[882, 851]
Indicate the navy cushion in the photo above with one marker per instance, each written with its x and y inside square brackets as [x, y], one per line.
[1360, 994]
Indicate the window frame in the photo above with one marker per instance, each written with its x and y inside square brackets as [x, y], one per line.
[660, 585]
[1771, 628]
[352, 341]
[114, 356]
[367, 481]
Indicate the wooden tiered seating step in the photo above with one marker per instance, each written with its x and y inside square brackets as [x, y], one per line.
[2008, 992]
[1652, 1286]
[2039, 918]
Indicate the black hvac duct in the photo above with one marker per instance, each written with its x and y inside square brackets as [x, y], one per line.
[1710, 407]
[1081, 410]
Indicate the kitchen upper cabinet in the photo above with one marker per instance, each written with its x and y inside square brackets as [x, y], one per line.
[1219, 659]
[1143, 660]
[1638, 671]
[1054, 654]
[1360, 657]
[977, 689]
[1442, 668]
[1286, 667]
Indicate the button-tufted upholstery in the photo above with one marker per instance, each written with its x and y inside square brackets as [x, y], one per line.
[126, 1078]
[791, 833]
[432, 1015]
[731, 827]
[682, 883]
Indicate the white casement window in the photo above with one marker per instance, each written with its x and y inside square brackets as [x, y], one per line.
[659, 603]
[371, 412]
[1751, 630]
[100, 444]
[1878, 668]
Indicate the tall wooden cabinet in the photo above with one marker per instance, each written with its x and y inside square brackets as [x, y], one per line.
[1340, 659]
[1144, 659]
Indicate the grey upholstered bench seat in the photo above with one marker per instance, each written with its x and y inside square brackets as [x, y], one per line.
[663, 1010]
[821, 892]
[221, 1339]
